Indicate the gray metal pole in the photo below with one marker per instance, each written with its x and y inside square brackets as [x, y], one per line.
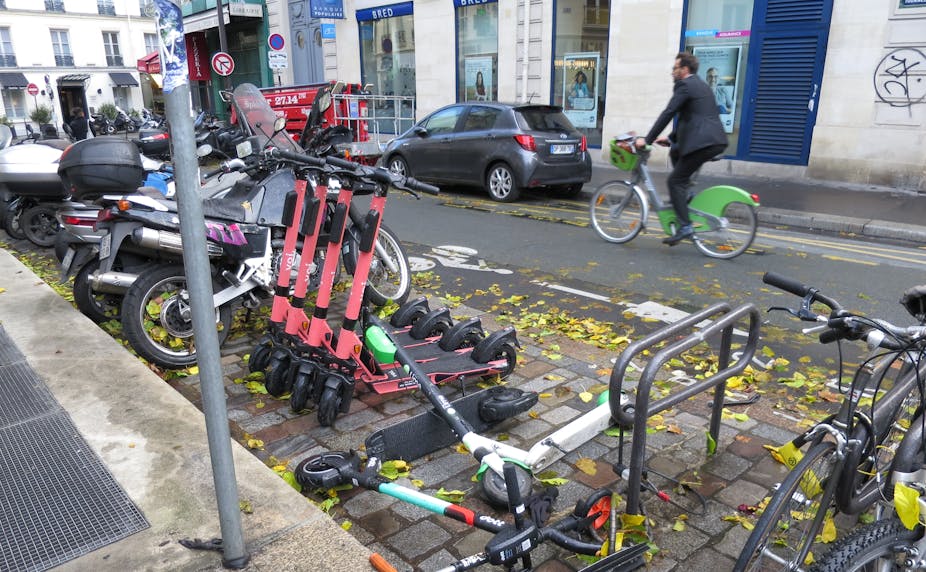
[223, 41]
[199, 285]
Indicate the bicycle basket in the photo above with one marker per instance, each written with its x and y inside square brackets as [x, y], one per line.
[622, 155]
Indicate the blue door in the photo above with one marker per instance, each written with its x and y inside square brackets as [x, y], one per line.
[787, 52]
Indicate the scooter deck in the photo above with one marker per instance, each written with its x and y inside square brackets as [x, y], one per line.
[443, 368]
[425, 433]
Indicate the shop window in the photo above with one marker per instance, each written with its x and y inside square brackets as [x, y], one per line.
[477, 46]
[387, 55]
[717, 32]
[14, 103]
[580, 63]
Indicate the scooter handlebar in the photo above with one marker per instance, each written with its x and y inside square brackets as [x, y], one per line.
[296, 157]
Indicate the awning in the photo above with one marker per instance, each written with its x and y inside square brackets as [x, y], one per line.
[13, 79]
[150, 64]
[123, 79]
[156, 79]
[74, 78]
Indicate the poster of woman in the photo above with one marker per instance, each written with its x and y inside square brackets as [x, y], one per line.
[478, 74]
[580, 90]
[719, 67]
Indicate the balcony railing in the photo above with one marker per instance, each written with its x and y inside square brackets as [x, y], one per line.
[106, 8]
[64, 61]
[114, 61]
[54, 5]
[7, 61]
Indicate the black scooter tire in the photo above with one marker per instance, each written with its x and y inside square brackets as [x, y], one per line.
[260, 357]
[495, 490]
[301, 392]
[96, 306]
[11, 221]
[39, 225]
[277, 379]
[328, 406]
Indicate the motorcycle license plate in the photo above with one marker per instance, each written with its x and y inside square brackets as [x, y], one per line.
[105, 245]
[561, 149]
[66, 263]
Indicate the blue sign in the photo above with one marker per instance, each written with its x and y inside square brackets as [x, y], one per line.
[700, 33]
[382, 12]
[462, 3]
[912, 3]
[326, 9]
[328, 31]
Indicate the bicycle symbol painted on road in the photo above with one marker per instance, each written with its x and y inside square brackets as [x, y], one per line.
[452, 257]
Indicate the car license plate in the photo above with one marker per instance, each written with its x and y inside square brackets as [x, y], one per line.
[561, 149]
[105, 244]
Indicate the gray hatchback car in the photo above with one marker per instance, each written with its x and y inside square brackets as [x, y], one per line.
[501, 147]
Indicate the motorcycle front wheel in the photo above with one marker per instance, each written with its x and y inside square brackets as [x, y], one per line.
[156, 318]
[39, 225]
[12, 216]
[384, 284]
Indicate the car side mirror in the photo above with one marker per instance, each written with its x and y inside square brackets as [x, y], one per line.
[420, 131]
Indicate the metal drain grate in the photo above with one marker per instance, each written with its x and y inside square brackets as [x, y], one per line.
[57, 500]
[25, 396]
[9, 353]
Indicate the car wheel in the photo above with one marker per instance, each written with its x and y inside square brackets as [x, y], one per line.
[501, 184]
[568, 191]
[398, 166]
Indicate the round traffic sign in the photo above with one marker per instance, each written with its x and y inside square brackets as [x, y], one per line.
[276, 42]
[32, 89]
[223, 64]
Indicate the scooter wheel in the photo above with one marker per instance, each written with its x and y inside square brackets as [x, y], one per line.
[279, 378]
[328, 406]
[465, 338]
[260, 357]
[508, 353]
[322, 470]
[410, 312]
[495, 491]
[302, 390]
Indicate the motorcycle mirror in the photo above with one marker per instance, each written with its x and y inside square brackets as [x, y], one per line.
[324, 102]
[204, 150]
[6, 136]
[279, 124]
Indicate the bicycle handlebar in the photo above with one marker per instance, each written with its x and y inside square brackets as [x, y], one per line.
[383, 176]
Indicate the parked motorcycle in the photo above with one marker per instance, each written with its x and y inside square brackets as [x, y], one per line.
[30, 188]
[124, 122]
[102, 125]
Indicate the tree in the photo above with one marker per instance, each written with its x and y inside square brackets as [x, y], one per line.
[41, 115]
[108, 110]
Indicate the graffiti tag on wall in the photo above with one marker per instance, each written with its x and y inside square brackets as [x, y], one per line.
[900, 78]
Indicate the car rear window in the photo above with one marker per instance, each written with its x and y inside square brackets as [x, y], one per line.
[544, 119]
[481, 118]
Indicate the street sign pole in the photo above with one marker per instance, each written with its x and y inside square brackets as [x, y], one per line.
[199, 283]
[223, 41]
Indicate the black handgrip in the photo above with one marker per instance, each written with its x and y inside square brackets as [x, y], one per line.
[298, 157]
[341, 163]
[417, 185]
[786, 284]
[830, 336]
[211, 174]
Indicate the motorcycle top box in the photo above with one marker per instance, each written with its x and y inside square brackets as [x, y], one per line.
[93, 167]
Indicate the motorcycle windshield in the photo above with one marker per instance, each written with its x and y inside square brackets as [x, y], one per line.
[252, 107]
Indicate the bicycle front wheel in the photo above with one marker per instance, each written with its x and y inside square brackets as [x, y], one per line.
[617, 212]
[881, 545]
[785, 532]
[737, 230]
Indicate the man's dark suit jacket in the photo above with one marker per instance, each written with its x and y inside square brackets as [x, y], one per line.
[699, 123]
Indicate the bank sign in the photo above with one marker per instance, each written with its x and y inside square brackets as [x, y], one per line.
[326, 9]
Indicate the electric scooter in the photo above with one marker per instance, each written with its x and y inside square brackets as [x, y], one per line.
[304, 356]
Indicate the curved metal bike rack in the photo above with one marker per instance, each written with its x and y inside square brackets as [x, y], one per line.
[636, 415]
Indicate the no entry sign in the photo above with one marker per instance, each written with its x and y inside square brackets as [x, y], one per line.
[32, 89]
[223, 64]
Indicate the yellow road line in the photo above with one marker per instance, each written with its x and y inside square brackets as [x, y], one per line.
[844, 259]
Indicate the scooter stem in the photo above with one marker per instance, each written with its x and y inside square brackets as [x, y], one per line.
[281, 294]
[296, 315]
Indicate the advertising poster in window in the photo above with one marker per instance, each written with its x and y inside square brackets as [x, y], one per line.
[580, 88]
[719, 67]
[478, 78]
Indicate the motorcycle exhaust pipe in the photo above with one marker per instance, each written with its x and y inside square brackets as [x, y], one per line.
[111, 282]
[167, 241]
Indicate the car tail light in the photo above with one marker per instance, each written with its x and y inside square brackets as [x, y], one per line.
[583, 144]
[78, 221]
[526, 141]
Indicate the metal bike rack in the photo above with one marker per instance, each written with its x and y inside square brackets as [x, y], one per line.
[637, 415]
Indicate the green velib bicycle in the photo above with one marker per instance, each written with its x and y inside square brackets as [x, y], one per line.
[723, 217]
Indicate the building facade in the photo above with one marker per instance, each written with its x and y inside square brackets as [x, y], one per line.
[827, 89]
[71, 53]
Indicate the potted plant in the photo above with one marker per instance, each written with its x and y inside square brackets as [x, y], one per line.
[4, 120]
[42, 116]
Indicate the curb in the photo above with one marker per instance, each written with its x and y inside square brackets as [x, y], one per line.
[870, 228]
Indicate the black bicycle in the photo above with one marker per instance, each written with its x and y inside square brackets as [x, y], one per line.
[850, 455]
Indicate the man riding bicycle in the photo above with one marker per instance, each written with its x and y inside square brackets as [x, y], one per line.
[698, 136]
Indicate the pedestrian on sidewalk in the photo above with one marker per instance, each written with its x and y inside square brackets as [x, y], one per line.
[697, 137]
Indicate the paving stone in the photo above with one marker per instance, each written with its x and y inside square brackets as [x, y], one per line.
[238, 415]
[367, 502]
[383, 522]
[471, 543]
[560, 415]
[743, 492]
[680, 545]
[409, 511]
[355, 420]
[726, 465]
[732, 542]
[708, 559]
[418, 539]
[776, 435]
[572, 492]
[767, 472]
[255, 424]
[686, 420]
[391, 557]
[590, 450]
[749, 447]
[363, 535]
[434, 472]
[553, 566]
[711, 522]
[289, 446]
[437, 561]
[236, 389]
[741, 426]
[398, 405]
[532, 428]
[604, 476]
[662, 563]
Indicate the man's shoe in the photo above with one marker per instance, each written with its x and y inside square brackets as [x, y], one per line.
[680, 235]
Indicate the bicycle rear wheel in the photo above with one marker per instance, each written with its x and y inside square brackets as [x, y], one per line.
[877, 546]
[786, 530]
[617, 212]
[734, 235]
